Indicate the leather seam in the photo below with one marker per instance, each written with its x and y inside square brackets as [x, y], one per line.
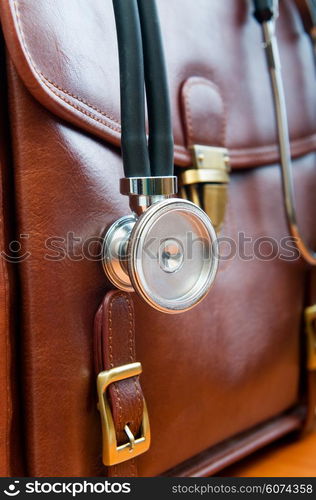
[132, 353]
[188, 114]
[268, 148]
[115, 470]
[98, 347]
[78, 98]
[300, 147]
[111, 358]
[48, 83]
[133, 468]
[188, 110]
[8, 412]
[181, 150]
[81, 110]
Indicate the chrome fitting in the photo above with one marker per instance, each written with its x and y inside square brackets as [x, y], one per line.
[145, 191]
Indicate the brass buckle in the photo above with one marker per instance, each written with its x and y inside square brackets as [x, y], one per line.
[206, 183]
[310, 326]
[112, 453]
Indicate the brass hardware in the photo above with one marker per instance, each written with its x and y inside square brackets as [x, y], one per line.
[210, 157]
[310, 325]
[112, 453]
[206, 183]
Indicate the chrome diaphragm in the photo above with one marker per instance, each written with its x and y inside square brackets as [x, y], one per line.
[166, 251]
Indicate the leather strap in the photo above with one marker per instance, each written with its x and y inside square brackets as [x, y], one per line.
[204, 112]
[114, 342]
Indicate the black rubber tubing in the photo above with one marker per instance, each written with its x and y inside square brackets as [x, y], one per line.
[160, 142]
[312, 6]
[133, 140]
[263, 10]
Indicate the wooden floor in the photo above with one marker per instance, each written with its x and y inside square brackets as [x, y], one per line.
[287, 458]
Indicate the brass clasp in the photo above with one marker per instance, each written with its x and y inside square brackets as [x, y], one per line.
[310, 326]
[206, 183]
[112, 453]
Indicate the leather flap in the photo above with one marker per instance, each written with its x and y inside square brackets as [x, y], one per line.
[66, 54]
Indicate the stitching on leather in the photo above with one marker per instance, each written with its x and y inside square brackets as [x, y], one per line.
[182, 151]
[111, 358]
[240, 157]
[114, 471]
[79, 108]
[131, 346]
[8, 413]
[133, 468]
[132, 352]
[97, 341]
[229, 229]
[82, 110]
[195, 81]
[81, 99]
[120, 470]
[188, 113]
[49, 83]
[225, 120]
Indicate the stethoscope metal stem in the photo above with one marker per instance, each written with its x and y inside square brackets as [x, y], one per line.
[145, 191]
[274, 65]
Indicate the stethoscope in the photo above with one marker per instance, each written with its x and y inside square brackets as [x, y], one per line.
[266, 12]
[167, 249]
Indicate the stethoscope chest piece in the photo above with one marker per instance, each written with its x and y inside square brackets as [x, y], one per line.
[166, 250]
[168, 255]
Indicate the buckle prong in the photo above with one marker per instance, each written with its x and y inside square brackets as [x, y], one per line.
[130, 436]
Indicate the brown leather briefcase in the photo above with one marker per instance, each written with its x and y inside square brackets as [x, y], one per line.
[220, 380]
